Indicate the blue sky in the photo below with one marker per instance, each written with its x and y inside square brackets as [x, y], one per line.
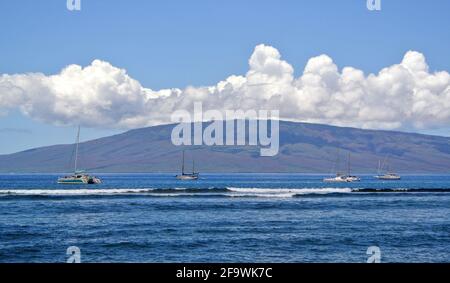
[165, 44]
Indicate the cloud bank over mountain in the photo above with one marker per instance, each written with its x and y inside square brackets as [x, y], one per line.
[404, 95]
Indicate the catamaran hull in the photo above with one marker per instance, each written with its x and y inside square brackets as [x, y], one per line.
[187, 178]
[342, 179]
[72, 182]
[335, 180]
[79, 181]
[388, 178]
[94, 181]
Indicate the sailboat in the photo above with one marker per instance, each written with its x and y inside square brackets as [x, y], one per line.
[342, 177]
[79, 176]
[351, 178]
[388, 176]
[188, 176]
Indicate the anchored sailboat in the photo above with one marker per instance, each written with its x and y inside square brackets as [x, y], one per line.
[188, 176]
[343, 177]
[388, 175]
[79, 177]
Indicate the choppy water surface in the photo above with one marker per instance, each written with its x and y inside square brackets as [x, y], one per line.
[224, 218]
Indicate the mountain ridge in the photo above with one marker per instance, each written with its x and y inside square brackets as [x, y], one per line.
[304, 148]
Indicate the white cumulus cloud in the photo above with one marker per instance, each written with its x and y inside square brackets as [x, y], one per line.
[404, 95]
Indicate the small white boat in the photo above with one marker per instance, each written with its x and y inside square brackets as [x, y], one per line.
[388, 176]
[187, 176]
[340, 178]
[78, 177]
[353, 179]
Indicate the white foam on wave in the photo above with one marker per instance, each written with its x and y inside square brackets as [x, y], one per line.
[173, 192]
[287, 195]
[286, 191]
[74, 192]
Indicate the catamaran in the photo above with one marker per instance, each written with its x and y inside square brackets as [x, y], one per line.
[79, 176]
[388, 176]
[188, 176]
[343, 177]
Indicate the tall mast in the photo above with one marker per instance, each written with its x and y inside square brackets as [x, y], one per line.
[384, 163]
[337, 163]
[182, 165]
[76, 148]
[348, 164]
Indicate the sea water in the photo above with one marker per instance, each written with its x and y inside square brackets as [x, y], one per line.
[225, 218]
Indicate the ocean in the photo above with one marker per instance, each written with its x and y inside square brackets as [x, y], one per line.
[225, 218]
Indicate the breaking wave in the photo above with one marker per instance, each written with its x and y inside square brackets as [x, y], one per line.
[403, 190]
[226, 192]
[285, 193]
[212, 192]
